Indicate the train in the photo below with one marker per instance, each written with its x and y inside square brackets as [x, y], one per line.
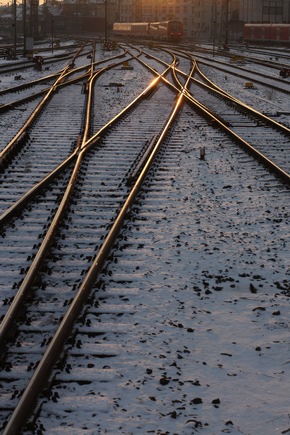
[267, 33]
[170, 30]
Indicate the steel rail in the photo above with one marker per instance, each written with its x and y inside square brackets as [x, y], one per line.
[29, 63]
[147, 91]
[69, 72]
[52, 353]
[238, 139]
[55, 346]
[22, 134]
[31, 118]
[28, 85]
[185, 51]
[215, 88]
[13, 104]
[82, 147]
[81, 143]
[221, 92]
[277, 170]
[17, 302]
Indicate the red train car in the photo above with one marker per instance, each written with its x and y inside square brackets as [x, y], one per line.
[171, 30]
[134, 29]
[268, 33]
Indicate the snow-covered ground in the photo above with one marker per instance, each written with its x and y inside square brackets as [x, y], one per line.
[210, 351]
[267, 100]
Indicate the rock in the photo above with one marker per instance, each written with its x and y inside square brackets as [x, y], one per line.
[164, 381]
[253, 288]
[216, 401]
[196, 401]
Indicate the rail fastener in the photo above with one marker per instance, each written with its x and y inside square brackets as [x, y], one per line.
[126, 66]
[237, 59]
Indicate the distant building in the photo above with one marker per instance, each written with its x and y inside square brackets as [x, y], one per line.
[265, 11]
[209, 20]
[216, 21]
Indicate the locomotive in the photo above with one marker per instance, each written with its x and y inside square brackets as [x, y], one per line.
[171, 30]
[268, 33]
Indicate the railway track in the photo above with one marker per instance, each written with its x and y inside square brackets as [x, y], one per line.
[124, 368]
[261, 135]
[22, 65]
[96, 187]
[70, 254]
[268, 58]
[15, 110]
[259, 72]
[247, 126]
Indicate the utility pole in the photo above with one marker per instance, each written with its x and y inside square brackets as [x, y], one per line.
[106, 22]
[24, 26]
[214, 19]
[52, 35]
[33, 18]
[118, 11]
[226, 41]
[14, 26]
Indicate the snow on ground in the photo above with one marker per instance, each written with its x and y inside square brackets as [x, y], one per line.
[210, 348]
[8, 80]
[209, 352]
[213, 357]
[271, 102]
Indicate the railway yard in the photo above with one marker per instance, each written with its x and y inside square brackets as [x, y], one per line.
[144, 214]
